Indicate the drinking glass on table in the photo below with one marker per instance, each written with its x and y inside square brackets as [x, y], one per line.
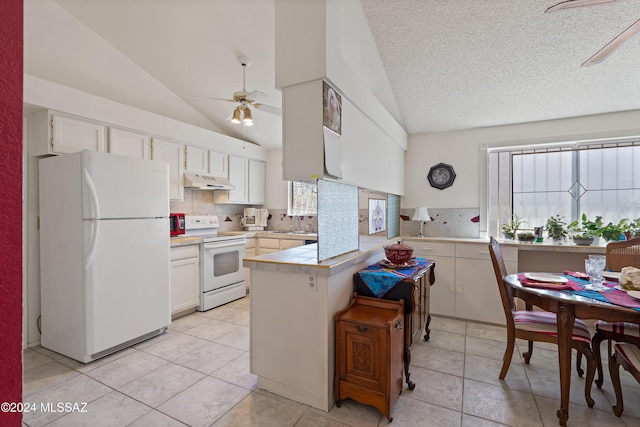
[594, 268]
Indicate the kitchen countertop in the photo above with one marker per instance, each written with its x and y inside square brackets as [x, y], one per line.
[185, 241]
[304, 259]
[522, 246]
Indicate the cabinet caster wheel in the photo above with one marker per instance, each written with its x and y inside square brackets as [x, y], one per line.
[390, 419]
[411, 385]
[338, 403]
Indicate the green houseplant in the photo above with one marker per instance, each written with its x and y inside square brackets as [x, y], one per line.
[584, 231]
[634, 228]
[557, 228]
[612, 232]
[511, 228]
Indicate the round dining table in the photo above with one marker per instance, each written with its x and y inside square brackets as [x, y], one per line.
[568, 305]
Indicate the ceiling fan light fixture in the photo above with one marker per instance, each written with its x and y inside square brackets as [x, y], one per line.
[236, 116]
[248, 119]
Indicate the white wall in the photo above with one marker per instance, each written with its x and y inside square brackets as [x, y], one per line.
[466, 152]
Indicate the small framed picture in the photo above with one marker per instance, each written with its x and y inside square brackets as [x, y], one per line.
[332, 108]
[377, 215]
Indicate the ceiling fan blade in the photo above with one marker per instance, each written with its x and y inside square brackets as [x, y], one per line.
[603, 53]
[214, 99]
[570, 4]
[268, 109]
[256, 95]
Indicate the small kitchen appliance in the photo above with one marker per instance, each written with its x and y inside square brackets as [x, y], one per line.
[176, 224]
[254, 219]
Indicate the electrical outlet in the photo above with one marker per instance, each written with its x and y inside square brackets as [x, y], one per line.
[313, 283]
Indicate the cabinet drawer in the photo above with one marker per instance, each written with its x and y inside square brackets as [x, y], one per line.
[182, 252]
[481, 251]
[428, 248]
[269, 243]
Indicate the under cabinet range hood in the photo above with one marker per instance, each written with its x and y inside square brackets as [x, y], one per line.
[206, 182]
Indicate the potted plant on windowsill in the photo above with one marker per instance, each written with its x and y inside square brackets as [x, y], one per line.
[557, 229]
[584, 231]
[511, 228]
[527, 236]
[612, 232]
[634, 229]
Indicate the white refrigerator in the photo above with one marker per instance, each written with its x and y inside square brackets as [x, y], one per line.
[104, 252]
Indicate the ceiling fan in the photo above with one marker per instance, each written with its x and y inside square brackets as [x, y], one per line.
[242, 112]
[608, 49]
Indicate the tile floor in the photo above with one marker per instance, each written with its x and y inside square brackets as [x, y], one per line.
[197, 374]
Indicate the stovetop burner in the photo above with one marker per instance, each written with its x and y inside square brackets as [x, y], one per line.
[206, 227]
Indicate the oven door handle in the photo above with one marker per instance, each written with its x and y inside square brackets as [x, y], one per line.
[216, 245]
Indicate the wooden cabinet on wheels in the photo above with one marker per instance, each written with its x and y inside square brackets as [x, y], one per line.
[369, 352]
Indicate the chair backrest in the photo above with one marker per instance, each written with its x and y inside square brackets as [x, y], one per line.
[501, 271]
[623, 254]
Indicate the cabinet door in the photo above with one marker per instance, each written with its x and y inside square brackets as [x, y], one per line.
[172, 153]
[197, 159]
[127, 143]
[185, 284]
[443, 290]
[366, 354]
[218, 164]
[238, 177]
[70, 135]
[257, 177]
[477, 295]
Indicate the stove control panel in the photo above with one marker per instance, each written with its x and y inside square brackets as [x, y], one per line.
[199, 222]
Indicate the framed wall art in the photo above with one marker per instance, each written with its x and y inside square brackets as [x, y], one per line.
[377, 215]
[441, 176]
[331, 108]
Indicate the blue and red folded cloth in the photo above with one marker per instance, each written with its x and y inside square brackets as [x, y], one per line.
[380, 279]
[576, 283]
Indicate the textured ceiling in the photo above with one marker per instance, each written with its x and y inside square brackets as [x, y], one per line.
[445, 65]
[465, 64]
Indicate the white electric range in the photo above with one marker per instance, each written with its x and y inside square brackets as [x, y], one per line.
[222, 276]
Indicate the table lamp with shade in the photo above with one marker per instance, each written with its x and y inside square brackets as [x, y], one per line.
[421, 214]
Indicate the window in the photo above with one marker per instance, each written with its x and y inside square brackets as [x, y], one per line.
[595, 179]
[303, 198]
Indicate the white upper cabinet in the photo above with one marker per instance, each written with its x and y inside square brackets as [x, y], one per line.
[172, 153]
[56, 133]
[197, 159]
[257, 177]
[128, 143]
[218, 164]
[238, 176]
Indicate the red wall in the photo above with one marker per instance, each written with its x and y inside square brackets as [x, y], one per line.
[11, 208]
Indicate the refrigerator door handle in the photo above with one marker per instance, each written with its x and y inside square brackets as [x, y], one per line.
[95, 228]
[93, 193]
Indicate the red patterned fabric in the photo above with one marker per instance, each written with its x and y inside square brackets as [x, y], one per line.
[546, 323]
[619, 327]
[630, 352]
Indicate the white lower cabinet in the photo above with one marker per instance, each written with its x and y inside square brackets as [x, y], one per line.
[286, 244]
[465, 285]
[185, 278]
[266, 245]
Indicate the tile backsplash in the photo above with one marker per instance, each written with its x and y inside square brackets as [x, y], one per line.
[449, 222]
[446, 222]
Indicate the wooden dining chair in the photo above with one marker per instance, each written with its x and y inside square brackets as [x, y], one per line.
[626, 355]
[539, 326]
[619, 254]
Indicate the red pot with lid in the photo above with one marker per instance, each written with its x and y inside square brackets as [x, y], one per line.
[398, 253]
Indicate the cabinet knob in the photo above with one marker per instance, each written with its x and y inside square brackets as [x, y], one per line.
[398, 324]
[362, 329]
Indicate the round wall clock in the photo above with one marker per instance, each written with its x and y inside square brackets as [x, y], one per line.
[441, 176]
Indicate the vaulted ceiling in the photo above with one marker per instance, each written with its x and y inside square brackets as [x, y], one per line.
[445, 65]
